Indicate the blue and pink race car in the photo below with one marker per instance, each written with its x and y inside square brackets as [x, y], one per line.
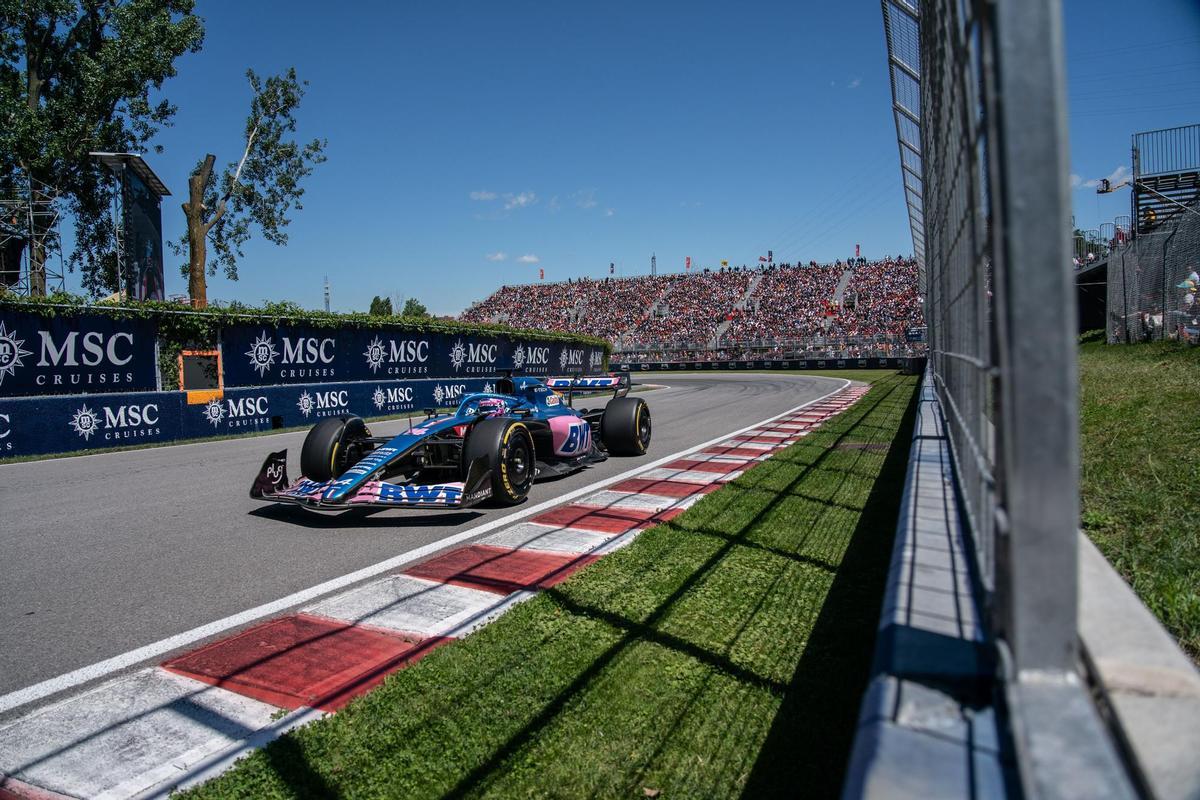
[491, 448]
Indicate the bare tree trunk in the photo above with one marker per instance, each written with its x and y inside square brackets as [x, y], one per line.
[197, 232]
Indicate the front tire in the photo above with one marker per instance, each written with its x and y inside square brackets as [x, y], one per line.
[508, 447]
[331, 446]
[625, 426]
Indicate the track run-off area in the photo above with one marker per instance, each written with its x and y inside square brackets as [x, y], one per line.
[182, 708]
[110, 553]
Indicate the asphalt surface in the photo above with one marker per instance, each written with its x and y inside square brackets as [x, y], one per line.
[103, 554]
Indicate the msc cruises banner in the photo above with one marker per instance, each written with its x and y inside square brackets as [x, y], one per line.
[81, 354]
[258, 355]
[33, 426]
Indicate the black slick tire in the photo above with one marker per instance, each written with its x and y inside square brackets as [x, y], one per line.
[625, 426]
[508, 447]
[327, 449]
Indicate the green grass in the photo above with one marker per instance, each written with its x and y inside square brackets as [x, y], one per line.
[1140, 477]
[723, 654]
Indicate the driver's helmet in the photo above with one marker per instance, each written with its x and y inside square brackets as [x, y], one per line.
[492, 406]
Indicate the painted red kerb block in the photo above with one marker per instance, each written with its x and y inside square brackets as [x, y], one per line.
[500, 569]
[301, 660]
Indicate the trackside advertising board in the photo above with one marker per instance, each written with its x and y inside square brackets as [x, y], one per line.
[35, 426]
[263, 355]
[84, 354]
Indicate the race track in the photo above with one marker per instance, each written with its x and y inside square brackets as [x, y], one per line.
[104, 554]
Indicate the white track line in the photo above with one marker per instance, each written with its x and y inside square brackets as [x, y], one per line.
[108, 666]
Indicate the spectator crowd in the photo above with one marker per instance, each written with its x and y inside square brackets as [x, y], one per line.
[728, 313]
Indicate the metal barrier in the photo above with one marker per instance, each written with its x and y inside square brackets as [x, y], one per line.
[980, 110]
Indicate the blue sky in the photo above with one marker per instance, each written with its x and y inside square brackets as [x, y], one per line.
[467, 140]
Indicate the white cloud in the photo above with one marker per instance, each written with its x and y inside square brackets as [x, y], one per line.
[529, 258]
[497, 256]
[854, 84]
[554, 205]
[608, 212]
[520, 200]
[1076, 181]
[1119, 174]
[483, 195]
[585, 198]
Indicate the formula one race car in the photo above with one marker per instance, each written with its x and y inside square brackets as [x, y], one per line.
[492, 447]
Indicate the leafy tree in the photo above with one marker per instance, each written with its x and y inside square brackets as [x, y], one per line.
[76, 77]
[381, 306]
[258, 190]
[414, 308]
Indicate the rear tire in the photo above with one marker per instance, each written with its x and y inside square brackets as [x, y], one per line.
[625, 426]
[508, 447]
[331, 446]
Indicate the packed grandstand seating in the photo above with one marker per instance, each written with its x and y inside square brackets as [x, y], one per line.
[727, 313]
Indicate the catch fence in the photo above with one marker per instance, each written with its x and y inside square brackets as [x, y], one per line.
[1152, 284]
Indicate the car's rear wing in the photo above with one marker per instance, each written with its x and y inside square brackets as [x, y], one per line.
[618, 382]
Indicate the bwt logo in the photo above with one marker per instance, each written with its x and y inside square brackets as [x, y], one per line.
[122, 422]
[473, 353]
[408, 354]
[570, 358]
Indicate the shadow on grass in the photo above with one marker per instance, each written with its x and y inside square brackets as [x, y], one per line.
[809, 742]
[832, 674]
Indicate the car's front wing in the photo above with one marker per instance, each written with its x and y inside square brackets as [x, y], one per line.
[272, 486]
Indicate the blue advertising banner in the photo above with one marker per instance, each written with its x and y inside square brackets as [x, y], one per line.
[83, 354]
[35, 426]
[258, 355]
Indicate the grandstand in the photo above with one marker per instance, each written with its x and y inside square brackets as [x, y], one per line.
[847, 308]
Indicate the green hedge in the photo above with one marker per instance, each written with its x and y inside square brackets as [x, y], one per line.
[184, 328]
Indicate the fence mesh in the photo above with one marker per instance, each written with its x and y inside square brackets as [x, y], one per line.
[1152, 284]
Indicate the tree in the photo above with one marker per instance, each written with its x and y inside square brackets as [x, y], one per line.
[381, 306]
[259, 190]
[76, 77]
[414, 308]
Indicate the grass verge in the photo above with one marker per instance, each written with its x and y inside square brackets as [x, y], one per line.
[1140, 459]
[721, 655]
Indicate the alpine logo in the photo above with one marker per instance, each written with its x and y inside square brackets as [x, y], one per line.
[403, 356]
[262, 354]
[130, 421]
[11, 352]
[324, 404]
[474, 356]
